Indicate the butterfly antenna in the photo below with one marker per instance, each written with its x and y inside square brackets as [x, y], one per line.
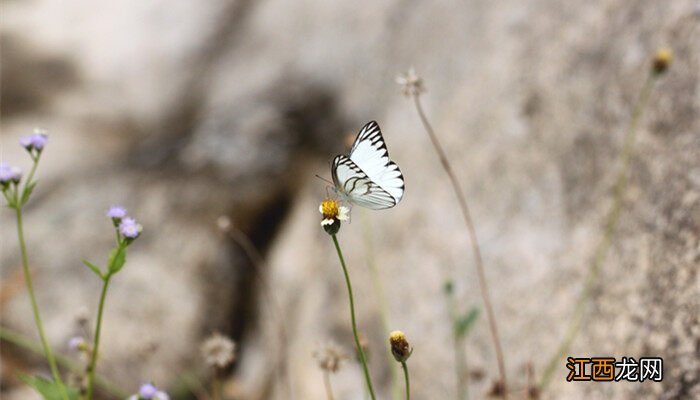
[323, 179]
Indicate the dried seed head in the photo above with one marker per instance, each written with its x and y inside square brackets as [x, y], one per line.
[218, 351]
[399, 346]
[411, 83]
[330, 357]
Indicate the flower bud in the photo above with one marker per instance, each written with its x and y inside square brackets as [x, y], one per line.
[662, 60]
[400, 348]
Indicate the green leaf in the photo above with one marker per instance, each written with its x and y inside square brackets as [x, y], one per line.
[48, 389]
[97, 270]
[27, 192]
[449, 287]
[117, 259]
[464, 324]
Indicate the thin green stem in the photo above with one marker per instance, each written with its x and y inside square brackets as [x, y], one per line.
[381, 297]
[25, 343]
[603, 248]
[30, 177]
[476, 250]
[459, 351]
[327, 384]
[35, 308]
[408, 382]
[98, 330]
[361, 352]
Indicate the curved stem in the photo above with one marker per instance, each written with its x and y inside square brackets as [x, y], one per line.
[327, 384]
[361, 352]
[96, 345]
[381, 297]
[462, 200]
[408, 383]
[601, 252]
[35, 308]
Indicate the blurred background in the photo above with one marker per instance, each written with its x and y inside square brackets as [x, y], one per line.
[193, 112]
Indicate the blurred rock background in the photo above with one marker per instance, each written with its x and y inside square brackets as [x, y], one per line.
[186, 111]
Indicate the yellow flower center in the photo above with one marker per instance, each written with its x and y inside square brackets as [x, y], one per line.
[330, 209]
[396, 336]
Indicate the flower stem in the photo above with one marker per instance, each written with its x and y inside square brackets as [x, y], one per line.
[327, 384]
[25, 343]
[35, 308]
[462, 200]
[381, 297]
[361, 352]
[96, 345]
[611, 221]
[459, 350]
[216, 387]
[408, 383]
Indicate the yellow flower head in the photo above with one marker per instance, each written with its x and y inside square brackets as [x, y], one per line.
[662, 60]
[332, 213]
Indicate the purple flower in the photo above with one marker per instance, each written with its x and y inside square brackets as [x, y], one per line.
[76, 342]
[148, 391]
[129, 228]
[116, 212]
[9, 174]
[36, 140]
[161, 395]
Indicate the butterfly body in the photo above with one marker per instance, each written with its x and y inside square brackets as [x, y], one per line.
[367, 177]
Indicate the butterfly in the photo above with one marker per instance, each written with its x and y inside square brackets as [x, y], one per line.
[367, 177]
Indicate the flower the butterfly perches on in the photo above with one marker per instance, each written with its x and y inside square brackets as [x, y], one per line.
[332, 213]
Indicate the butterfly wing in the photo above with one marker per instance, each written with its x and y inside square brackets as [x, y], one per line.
[370, 154]
[354, 184]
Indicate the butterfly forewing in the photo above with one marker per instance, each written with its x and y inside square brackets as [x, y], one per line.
[368, 177]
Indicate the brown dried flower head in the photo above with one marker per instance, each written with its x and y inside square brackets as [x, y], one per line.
[400, 348]
[330, 357]
[218, 351]
[411, 83]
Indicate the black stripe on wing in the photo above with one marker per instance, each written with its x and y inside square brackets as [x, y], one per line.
[360, 189]
[372, 133]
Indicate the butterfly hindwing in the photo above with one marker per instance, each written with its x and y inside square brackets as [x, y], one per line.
[353, 184]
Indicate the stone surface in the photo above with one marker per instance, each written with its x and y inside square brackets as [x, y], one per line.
[186, 111]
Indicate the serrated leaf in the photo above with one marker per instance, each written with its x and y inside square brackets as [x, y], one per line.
[97, 270]
[466, 322]
[48, 389]
[28, 192]
[117, 259]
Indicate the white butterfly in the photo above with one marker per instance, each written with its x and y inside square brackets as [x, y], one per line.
[367, 177]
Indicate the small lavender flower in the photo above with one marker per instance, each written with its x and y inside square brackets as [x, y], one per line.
[35, 141]
[116, 212]
[129, 228]
[148, 391]
[161, 395]
[9, 174]
[76, 343]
